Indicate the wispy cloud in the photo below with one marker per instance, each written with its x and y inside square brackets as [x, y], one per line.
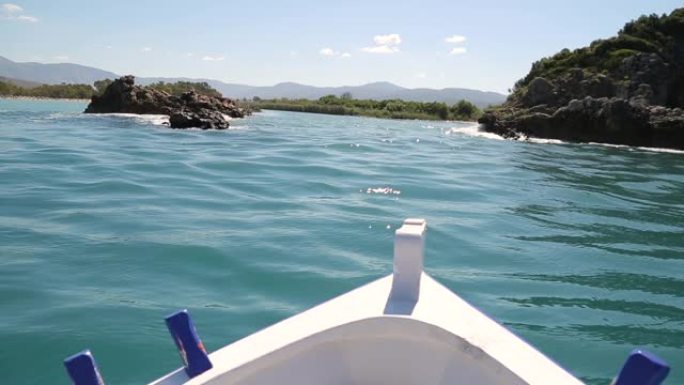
[62, 57]
[329, 52]
[384, 44]
[30, 19]
[455, 39]
[146, 49]
[421, 75]
[213, 58]
[390, 39]
[10, 11]
[458, 51]
[12, 8]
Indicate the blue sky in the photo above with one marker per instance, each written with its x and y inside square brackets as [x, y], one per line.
[483, 44]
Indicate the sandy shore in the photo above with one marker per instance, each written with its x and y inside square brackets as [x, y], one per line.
[44, 98]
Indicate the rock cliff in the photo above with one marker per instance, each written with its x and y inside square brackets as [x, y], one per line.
[628, 89]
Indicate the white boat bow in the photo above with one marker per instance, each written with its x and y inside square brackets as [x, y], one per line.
[402, 329]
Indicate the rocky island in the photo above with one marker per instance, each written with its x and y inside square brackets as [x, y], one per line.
[189, 109]
[628, 89]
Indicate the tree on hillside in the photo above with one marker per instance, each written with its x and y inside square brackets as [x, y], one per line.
[180, 87]
[101, 85]
[464, 110]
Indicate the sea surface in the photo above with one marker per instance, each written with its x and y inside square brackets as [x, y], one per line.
[108, 223]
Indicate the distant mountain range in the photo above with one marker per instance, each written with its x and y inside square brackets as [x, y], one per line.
[52, 73]
[75, 73]
[377, 90]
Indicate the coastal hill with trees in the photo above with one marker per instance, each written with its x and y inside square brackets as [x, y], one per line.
[628, 89]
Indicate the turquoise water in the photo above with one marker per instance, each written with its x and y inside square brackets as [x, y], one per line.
[109, 223]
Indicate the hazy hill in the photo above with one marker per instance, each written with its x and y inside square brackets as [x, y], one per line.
[19, 82]
[377, 90]
[75, 73]
[52, 73]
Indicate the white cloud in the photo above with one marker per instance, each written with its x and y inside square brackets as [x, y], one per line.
[328, 52]
[389, 39]
[421, 75]
[213, 58]
[11, 11]
[455, 39]
[458, 51]
[384, 44]
[189, 54]
[30, 19]
[62, 57]
[293, 54]
[11, 8]
[146, 49]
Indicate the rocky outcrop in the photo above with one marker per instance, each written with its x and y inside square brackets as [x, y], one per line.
[190, 109]
[201, 118]
[624, 90]
[604, 120]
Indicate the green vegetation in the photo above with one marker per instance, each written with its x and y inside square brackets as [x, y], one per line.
[85, 91]
[59, 91]
[388, 109]
[648, 34]
[178, 88]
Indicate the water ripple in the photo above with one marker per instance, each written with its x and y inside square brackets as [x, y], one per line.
[108, 223]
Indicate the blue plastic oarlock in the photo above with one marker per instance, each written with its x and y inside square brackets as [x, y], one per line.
[192, 352]
[82, 369]
[643, 368]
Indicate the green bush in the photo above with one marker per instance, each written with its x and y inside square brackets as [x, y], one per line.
[392, 109]
[180, 87]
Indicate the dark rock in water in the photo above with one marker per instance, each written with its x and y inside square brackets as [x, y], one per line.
[124, 96]
[190, 109]
[625, 90]
[201, 118]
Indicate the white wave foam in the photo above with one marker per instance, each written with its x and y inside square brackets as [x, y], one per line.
[642, 148]
[542, 140]
[472, 130]
[382, 191]
[64, 115]
[622, 146]
[157, 120]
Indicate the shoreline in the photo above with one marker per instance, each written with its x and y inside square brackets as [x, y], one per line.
[367, 114]
[375, 117]
[44, 98]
